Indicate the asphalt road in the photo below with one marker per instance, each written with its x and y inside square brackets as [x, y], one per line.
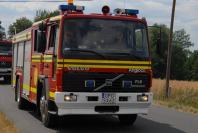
[159, 120]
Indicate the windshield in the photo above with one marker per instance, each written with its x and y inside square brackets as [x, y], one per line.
[114, 39]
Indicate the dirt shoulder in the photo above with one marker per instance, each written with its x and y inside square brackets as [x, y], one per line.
[6, 126]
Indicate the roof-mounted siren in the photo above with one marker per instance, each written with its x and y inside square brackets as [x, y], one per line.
[105, 10]
[130, 12]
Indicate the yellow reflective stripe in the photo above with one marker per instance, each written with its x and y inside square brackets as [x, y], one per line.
[47, 60]
[34, 90]
[60, 65]
[26, 87]
[52, 94]
[36, 56]
[109, 66]
[13, 82]
[48, 56]
[104, 61]
[60, 60]
[36, 60]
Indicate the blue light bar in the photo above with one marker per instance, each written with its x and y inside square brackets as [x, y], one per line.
[131, 11]
[71, 8]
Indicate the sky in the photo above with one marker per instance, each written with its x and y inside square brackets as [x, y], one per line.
[155, 11]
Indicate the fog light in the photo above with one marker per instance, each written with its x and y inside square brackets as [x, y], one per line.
[70, 98]
[142, 98]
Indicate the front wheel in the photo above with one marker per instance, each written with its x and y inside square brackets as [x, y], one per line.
[48, 119]
[127, 119]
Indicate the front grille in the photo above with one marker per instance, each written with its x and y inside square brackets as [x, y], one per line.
[75, 82]
[4, 64]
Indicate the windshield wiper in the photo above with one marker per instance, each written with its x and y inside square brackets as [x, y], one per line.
[84, 50]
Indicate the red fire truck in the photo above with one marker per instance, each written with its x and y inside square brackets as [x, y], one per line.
[6, 60]
[84, 64]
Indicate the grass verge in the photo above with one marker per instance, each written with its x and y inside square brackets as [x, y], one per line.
[184, 95]
[6, 126]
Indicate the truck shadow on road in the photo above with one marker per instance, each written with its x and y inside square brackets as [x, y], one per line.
[107, 124]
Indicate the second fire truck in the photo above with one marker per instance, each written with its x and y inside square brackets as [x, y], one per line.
[84, 64]
[6, 60]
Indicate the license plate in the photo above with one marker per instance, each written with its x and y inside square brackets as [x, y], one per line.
[108, 98]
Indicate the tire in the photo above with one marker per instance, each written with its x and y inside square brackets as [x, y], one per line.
[127, 119]
[48, 119]
[20, 101]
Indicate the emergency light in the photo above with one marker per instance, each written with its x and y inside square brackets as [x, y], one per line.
[119, 11]
[131, 11]
[70, 7]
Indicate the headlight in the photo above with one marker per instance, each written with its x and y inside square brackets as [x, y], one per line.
[142, 98]
[70, 98]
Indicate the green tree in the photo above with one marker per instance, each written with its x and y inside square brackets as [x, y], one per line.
[180, 55]
[43, 14]
[180, 52]
[158, 61]
[182, 39]
[192, 66]
[178, 65]
[20, 25]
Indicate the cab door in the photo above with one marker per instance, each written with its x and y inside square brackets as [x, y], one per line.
[50, 56]
[37, 61]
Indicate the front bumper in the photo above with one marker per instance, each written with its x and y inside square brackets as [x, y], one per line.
[84, 107]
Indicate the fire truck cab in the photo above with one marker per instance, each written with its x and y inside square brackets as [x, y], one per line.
[84, 64]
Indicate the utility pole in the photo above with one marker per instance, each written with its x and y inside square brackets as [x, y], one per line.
[168, 91]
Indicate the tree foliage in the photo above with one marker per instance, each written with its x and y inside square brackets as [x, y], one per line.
[19, 25]
[182, 39]
[43, 14]
[184, 64]
[159, 60]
